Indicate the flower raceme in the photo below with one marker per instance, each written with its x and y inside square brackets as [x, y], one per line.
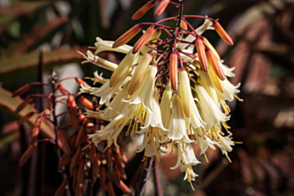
[171, 90]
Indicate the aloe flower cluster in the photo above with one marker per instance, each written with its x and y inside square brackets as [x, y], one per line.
[172, 88]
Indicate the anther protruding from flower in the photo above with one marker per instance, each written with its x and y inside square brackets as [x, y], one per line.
[143, 39]
[25, 157]
[36, 130]
[201, 53]
[183, 25]
[127, 36]
[185, 88]
[145, 8]
[139, 72]
[222, 33]
[21, 90]
[215, 64]
[24, 104]
[161, 7]
[173, 70]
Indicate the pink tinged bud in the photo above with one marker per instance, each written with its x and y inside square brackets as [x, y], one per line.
[143, 39]
[85, 102]
[62, 187]
[173, 70]
[183, 25]
[222, 33]
[25, 118]
[21, 90]
[215, 64]
[25, 157]
[23, 104]
[36, 130]
[161, 7]
[145, 8]
[139, 72]
[63, 140]
[184, 90]
[201, 53]
[127, 36]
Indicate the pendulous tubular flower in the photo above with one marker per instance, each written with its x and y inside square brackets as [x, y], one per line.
[170, 90]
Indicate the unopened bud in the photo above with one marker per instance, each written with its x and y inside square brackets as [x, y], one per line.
[107, 152]
[161, 7]
[95, 167]
[36, 130]
[145, 8]
[62, 187]
[102, 173]
[183, 25]
[124, 188]
[165, 106]
[110, 189]
[85, 102]
[143, 39]
[81, 82]
[201, 53]
[93, 154]
[23, 104]
[173, 70]
[184, 89]
[63, 161]
[208, 44]
[25, 157]
[222, 33]
[75, 159]
[215, 64]
[21, 90]
[47, 108]
[127, 36]
[81, 171]
[116, 176]
[81, 135]
[63, 139]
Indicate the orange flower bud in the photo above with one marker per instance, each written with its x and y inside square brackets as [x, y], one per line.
[48, 108]
[145, 8]
[62, 89]
[25, 157]
[25, 118]
[124, 188]
[110, 189]
[23, 104]
[85, 102]
[173, 70]
[208, 44]
[63, 139]
[80, 81]
[81, 171]
[183, 25]
[63, 161]
[222, 33]
[201, 53]
[127, 36]
[143, 39]
[215, 64]
[36, 130]
[75, 159]
[21, 90]
[161, 7]
[62, 187]
[102, 175]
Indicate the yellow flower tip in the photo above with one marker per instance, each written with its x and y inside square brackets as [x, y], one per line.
[201, 53]
[145, 8]
[127, 36]
[222, 33]
[139, 72]
[184, 84]
[173, 69]
[143, 39]
[183, 25]
[215, 64]
[161, 7]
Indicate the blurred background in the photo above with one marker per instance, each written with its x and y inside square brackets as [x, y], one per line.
[263, 57]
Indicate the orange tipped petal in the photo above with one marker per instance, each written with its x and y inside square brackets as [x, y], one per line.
[145, 8]
[201, 53]
[215, 64]
[222, 33]
[173, 69]
[143, 39]
[161, 7]
[21, 90]
[127, 36]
